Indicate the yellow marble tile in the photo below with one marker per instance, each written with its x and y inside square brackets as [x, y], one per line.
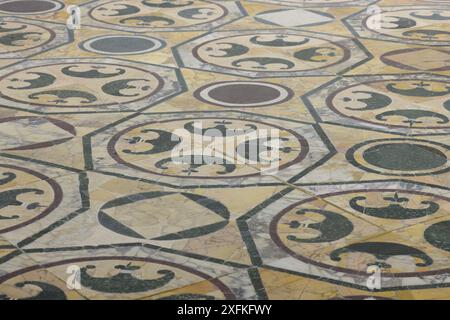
[224, 149]
[282, 286]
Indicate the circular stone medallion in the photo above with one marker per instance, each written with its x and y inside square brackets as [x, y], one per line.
[158, 14]
[207, 148]
[412, 24]
[79, 84]
[401, 157]
[404, 103]
[243, 94]
[399, 223]
[273, 52]
[122, 44]
[17, 36]
[30, 6]
[114, 278]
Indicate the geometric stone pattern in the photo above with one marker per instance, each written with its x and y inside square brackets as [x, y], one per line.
[409, 104]
[356, 101]
[292, 53]
[414, 25]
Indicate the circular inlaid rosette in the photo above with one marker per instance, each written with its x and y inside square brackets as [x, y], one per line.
[207, 147]
[243, 94]
[122, 44]
[30, 6]
[113, 278]
[272, 52]
[401, 157]
[403, 103]
[403, 232]
[424, 24]
[79, 85]
[158, 14]
[17, 36]
[25, 197]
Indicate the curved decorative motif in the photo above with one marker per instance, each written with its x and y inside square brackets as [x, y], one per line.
[22, 38]
[67, 91]
[415, 25]
[245, 146]
[16, 36]
[395, 209]
[155, 148]
[331, 237]
[243, 94]
[22, 203]
[240, 52]
[115, 277]
[216, 148]
[147, 148]
[333, 227]
[156, 15]
[46, 291]
[79, 85]
[383, 251]
[148, 14]
[383, 103]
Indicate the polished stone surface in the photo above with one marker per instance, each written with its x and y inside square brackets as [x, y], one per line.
[353, 95]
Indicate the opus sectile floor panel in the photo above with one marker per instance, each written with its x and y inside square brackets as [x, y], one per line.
[93, 205]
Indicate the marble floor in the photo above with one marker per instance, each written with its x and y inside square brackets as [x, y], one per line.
[354, 96]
